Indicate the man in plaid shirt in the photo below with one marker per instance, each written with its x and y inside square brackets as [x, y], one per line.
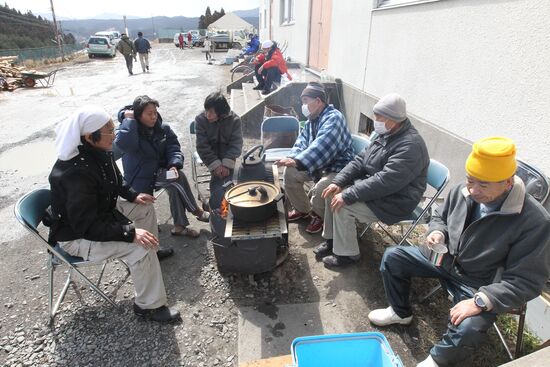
[322, 149]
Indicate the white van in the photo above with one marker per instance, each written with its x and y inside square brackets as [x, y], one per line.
[113, 36]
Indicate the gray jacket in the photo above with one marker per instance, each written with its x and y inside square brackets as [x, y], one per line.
[219, 142]
[389, 176]
[505, 254]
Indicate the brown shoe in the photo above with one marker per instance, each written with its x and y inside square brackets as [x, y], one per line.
[315, 224]
[295, 215]
[185, 231]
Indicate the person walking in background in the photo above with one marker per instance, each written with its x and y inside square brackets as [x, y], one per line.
[189, 40]
[207, 49]
[143, 47]
[180, 40]
[128, 50]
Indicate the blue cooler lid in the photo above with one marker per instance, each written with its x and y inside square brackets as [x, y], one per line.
[369, 349]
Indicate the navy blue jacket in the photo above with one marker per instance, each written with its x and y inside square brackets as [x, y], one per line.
[145, 150]
[142, 45]
[253, 46]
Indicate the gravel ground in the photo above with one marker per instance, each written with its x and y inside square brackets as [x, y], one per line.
[87, 331]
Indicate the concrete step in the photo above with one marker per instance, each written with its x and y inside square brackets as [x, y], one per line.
[251, 96]
[237, 101]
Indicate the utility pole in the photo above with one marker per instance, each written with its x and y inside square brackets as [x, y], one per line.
[57, 37]
[125, 25]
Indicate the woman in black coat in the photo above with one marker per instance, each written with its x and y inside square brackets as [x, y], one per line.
[152, 159]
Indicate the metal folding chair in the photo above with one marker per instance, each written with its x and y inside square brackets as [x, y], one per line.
[29, 211]
[538, 185]
[359, 143]
[199, 171]
[288, 127]
[438, 178]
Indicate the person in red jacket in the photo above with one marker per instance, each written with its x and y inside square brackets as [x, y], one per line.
[270, 65]
[189, 40]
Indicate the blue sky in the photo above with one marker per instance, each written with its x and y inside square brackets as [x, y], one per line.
[79, 9]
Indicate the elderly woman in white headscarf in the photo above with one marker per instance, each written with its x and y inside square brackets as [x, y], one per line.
[89, 221]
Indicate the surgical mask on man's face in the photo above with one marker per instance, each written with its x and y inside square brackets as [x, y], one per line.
[305, 110]
[380, 127]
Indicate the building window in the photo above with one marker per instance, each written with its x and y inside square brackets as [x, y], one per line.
[287, 12]
[388, 3]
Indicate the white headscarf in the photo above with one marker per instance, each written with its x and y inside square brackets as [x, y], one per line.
[85, 120]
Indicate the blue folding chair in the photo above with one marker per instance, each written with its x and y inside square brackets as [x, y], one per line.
[29, 211]
[438, 178]
[359, 143]
[283, 131]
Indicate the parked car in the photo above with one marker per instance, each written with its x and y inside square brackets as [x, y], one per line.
[100, 45]
[114, 36]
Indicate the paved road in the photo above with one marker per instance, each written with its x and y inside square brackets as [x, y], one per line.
[179, 80]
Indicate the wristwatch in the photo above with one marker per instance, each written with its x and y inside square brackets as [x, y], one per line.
[480, 302]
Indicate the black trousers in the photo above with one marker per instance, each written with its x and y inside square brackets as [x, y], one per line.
[267, 77]
[129, 62]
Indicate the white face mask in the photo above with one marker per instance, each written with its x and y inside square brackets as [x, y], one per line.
[380, 127]
[305, 110]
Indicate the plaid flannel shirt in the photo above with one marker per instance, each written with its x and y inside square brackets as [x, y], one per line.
[324, 143]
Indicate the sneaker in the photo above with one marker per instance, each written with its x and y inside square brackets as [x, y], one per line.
[428, 362]
[323, 250]
[266, 92]
[147, 67]
[387, 316]
[315, 224]
[336, 261]
[295, 215]
[258, 87]
[162, 314]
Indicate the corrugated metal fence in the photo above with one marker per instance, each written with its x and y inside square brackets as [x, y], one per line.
[38, 53]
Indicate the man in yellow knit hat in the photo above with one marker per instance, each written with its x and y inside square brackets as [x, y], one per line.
[497, 239]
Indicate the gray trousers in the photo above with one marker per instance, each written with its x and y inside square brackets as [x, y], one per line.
[144, 60]
[340, 227]
[293, 183]
[399, 265]
[181, 198]
[144, 264]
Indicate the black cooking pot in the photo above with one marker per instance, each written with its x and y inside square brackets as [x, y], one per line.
[253, 201]
[253, 166]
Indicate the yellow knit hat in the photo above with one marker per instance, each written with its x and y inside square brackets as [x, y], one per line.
[492, 159]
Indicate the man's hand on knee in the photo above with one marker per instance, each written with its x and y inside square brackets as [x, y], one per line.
[330, 190]
[146, 239]
[464, 309]
[337, 203]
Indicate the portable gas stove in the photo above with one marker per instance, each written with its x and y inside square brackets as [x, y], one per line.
[251, 247]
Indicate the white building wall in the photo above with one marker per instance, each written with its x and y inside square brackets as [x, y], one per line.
[296, 34]
[473, 67]
[350, 26]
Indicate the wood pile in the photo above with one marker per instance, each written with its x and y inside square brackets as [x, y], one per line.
[10, 75]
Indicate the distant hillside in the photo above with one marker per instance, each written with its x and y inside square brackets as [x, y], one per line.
[19, 30]
[251, 13]
[86, 27]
